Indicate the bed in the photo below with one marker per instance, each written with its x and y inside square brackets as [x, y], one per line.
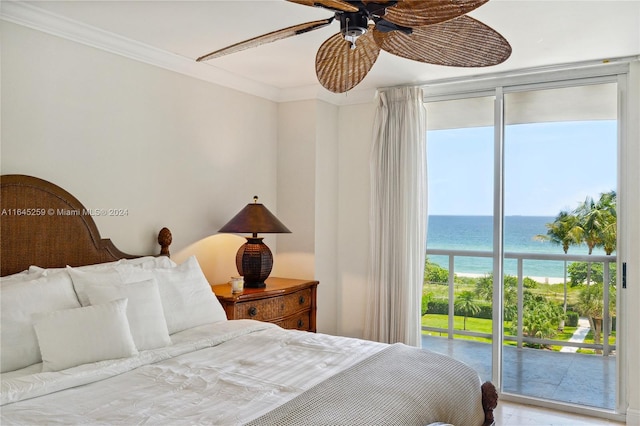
[93, 335]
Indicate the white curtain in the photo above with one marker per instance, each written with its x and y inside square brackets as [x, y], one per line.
[398, 218]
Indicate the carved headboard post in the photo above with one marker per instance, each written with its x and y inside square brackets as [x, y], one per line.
[164, 239]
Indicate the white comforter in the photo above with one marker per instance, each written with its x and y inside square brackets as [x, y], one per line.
[229, 372]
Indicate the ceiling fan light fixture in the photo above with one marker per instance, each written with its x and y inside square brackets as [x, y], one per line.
[352, 26]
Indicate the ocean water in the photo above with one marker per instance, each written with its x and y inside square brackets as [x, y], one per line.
[476, 233]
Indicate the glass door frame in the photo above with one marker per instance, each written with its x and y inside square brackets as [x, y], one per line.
[498, 87]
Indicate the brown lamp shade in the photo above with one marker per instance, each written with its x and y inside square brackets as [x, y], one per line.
[254, 259]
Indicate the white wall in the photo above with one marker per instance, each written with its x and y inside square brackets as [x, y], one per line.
[296, 189]
[117, 133]
[355, 129]
[326, 213]
[308, 200]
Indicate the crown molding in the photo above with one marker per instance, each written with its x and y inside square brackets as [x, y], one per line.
[33, 17]
[38, 19]
[355, 96]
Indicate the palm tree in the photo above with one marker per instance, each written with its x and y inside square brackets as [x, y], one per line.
[466, 303]
[589, 223]
[484, 287]
[598, 223]
[608, 233]
[539, 318]
[564, 231]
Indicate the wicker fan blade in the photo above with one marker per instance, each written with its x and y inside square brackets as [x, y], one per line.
[268, 38]
[417, 13]
[460, 42]
[340, 68]
[338, 5]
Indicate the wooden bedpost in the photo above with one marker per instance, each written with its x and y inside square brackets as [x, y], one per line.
[164, 239]
[489, 402]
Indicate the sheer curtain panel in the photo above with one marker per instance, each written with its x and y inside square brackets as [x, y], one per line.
[398, 217]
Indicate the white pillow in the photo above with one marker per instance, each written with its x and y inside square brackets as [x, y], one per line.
[116, 275]
[18, 342]
[19, 277]
[144, 310]
[187, 298]
[150, 262]
[145, 262]
[79, 336]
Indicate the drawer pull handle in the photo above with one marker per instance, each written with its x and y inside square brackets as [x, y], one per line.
[300, 323]
[301, 300]
[253, 311]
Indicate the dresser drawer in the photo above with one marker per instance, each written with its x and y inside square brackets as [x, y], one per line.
[294, 302]
[261, 310]
[274, 307]
[301, 321]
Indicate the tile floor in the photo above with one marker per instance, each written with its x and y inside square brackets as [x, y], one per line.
[537, 373]
[512, 414]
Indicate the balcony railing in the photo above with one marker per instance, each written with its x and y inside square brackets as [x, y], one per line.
[520, 338]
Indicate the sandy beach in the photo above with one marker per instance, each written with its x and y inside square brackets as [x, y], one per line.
[542, 280]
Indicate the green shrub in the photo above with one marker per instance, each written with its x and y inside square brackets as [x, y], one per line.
[434, 273]
[440, 307]
[486, 311]
[426, 298]
[578, 273]
[572, 319]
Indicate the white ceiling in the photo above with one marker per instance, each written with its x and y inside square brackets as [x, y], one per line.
[541, 33]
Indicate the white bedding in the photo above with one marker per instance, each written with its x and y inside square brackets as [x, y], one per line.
[229, 372]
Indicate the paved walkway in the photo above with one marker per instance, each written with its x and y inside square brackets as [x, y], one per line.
[578, 335]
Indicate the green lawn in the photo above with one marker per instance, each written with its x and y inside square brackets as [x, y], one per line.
[485, 326]
[552, 292]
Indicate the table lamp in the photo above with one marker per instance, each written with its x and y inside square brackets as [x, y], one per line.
[254, 259]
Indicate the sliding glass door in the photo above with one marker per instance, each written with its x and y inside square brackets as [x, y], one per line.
[521, 273]
[560, 224]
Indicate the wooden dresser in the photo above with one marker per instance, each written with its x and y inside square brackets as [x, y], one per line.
[287, 302]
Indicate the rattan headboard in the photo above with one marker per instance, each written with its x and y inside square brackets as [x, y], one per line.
[44, 225]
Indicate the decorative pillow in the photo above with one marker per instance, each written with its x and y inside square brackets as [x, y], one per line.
[144, 310]
[187, 298]
[79, 336]
[19, 345]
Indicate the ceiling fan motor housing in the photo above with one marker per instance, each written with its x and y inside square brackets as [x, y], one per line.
[353, 24]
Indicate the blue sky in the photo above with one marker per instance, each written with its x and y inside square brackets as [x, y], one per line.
[548, 167]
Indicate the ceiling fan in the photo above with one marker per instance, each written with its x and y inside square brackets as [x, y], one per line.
[432, 31]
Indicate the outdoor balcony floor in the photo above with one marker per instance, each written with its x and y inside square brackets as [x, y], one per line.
[562, 377]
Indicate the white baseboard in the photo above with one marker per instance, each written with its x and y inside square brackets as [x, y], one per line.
[633, 417]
